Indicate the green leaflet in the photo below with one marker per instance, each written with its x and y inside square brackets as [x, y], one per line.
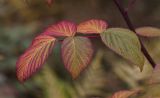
[125, 43]
[76, 53]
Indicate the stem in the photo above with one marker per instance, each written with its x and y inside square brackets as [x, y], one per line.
[93, 36]
[88, 36]
[131, 27]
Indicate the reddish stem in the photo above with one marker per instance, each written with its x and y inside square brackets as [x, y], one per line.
[131, 27]
[88, 36]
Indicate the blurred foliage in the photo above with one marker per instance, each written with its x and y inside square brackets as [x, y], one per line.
[22, 20]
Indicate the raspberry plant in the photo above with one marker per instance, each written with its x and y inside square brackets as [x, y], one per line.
[77, 49]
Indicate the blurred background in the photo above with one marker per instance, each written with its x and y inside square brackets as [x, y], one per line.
[22, 20]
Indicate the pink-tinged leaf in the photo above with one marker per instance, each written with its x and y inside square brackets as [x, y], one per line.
[34, 57]
[148, 31]
[76, 53]
[64, 28]
[125, 93]
[92, 26]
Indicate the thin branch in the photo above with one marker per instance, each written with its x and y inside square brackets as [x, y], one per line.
[131, 27]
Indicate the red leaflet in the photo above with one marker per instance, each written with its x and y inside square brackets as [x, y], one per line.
[34, 57]
[64, 28]
[76, 53]
[92, 26]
